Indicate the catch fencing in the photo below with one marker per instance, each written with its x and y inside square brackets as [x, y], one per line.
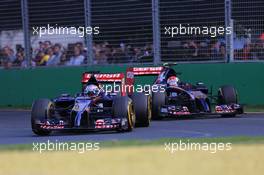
[91, 32]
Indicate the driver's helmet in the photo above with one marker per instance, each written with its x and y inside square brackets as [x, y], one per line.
[92, 90]
[173, 81]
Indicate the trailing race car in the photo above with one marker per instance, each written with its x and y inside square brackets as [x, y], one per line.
[92, 109]
[184, 99]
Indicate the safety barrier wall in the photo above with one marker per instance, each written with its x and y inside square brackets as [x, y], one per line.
[21, 87]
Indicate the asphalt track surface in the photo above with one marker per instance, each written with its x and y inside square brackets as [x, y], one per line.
[15, 128]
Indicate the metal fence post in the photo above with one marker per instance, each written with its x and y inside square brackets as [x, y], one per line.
[156, 31]
[228, 17]
[232, 41]
[24, 14]
[88, 23]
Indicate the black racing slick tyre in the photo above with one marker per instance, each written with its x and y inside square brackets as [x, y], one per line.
[123, 107]
[40, 111]
[227, 95]
[141, 103]
[158, 100]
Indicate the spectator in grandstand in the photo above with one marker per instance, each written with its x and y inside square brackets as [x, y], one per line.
[97, 51]
[122, 47]
[194, 48]
[127, 52]
[142, 55]
[37, 59]
[138, 52]
[119, 56]
[83, 51]
[222, 50]
[63, 59]
[262, 37]
[48, 54]
[103, 53]
[190, 49]
[41, 48]
[239, 44]
[8, 57]
[1, 58]
[47, 45]
[55, 58]
[204, 50]
[101, 57]
[148, 50]
[130, 52]
[218, 48]
[20, 59]
[258, 50]
[77, 58]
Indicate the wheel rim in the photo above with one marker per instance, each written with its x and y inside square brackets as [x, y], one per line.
[149, 109]
[50, 110]
[131, 115]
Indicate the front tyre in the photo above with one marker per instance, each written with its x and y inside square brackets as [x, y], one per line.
[123, 108]
[227, 95]
[141, 103]
[158, 100]
[41, 110]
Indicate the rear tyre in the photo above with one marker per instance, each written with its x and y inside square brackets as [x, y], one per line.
[122, 107]
[158, 100]
[40, 111]
[141, 103]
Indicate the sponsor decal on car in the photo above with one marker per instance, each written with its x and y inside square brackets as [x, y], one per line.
[107, 123]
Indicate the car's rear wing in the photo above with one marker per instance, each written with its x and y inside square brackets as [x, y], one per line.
[104, 77]
[132, 72]
[144, 70]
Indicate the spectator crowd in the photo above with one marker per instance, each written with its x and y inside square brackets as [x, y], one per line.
[49, 54]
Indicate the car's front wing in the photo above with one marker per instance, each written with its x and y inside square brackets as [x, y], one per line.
[176, 111]
[107, 123]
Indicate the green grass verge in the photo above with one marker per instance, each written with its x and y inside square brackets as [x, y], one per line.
[159, 142]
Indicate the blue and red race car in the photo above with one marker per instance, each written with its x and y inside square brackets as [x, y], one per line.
[184, 99]
[92, 109]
